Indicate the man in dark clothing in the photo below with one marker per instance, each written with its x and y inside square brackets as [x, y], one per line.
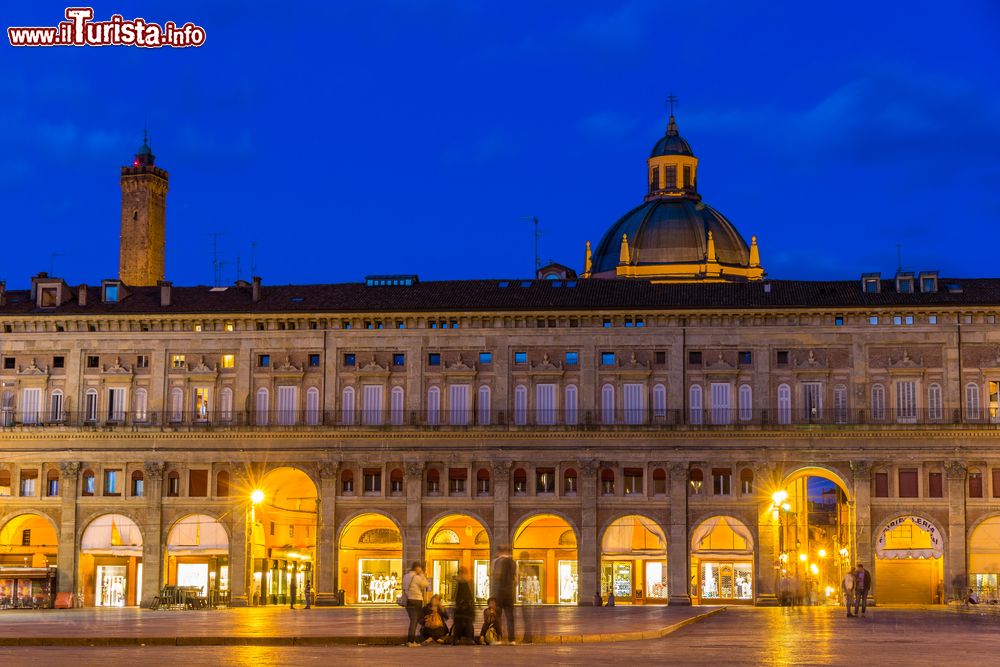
[465, 610]
[504, 579]
[862, 584]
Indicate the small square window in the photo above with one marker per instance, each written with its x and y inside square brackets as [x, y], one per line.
[607, 323]
[111, 294]
[314, 360]
[520, 357]
[640, 322]
[572, 358]
[142, 361]
[486, 357]
[261, 326]
[8, 363]
[966, 319]
[694, 358]
[350, 359]
[177, 361]
[782, 357]
[345, 324]
[897, 319]
[607, 358]
[873, 319]
[746, 358]
[932, 319]
[400, 324]
[991, 319]
[434, 359]
[92, 328]
[229, 361]
[908, 319]
[660, 357]
[230, 326]
[398, 359]
[838, 321]
[93, 361]
[263, 360]
[58, 362]
[8, 328]
[629, 323]
[199, 328]
[871, 286]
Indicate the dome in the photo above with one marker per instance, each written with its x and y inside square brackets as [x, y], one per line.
[672, 143]
[671, 231]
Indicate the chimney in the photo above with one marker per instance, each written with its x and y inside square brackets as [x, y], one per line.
[3, 292]
[81, 295]
[165, 292]
[256, 289]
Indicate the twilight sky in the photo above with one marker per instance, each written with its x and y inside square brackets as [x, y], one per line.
[411, 136]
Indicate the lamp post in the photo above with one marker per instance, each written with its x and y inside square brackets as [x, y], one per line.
[256, 498]
[779, 501]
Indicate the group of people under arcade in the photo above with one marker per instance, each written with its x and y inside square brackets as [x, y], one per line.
[428, 615]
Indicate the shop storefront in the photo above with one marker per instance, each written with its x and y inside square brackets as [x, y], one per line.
[634, 561]
[984, 560]
[909, 563]
[370, 560]
[722, 551]
[546, 556]
[458, 541]
[198, 555]
[111, 562]
[27, 587]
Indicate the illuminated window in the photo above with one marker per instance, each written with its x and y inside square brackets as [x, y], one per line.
[177, 361]
[229, 361]
[230, 326]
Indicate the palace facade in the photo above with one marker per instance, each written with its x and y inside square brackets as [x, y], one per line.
[669, 426]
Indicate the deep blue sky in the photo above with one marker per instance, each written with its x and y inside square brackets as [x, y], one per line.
[411, 136]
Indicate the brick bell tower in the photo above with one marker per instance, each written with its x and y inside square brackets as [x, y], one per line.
[144, 218]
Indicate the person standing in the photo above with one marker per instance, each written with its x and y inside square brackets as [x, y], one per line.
[848, 588]
[293, 588]
[862, 584]
[415, 587]
[504, 581]
[465, 609]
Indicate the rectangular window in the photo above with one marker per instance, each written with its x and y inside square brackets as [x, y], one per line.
[456, 481]
[654, 178]
[722, 481]
[458, 404]
[721, 406]
[229, 361]
[572, 358]
[632, 479]
[881, 485]
[177, 361]
[607, 323]
[897, 320]
[607, 358]
[350, 359]
[372, 408]
[670, 177]
[372, 478]
[545, 480]
[545, 404]
[116, 404]
[781, 357]
[58, 362]
[434, 359]
[838, 321]
[520, 357]
[93, 361]
[694, 358]
[263, 360]
[687, 176]
[660, 357]
[26, 537]
[746, 358]
[932, 319]
[314, 360]
[908, 483]
[29, 480]
[398, 359]
[50, 297]
[935, 487]
[634, 402]
[202, 406]
[142, 361]
[996, 482]
[485, 358]
[873, 319]
[31, 405]
[112, 481]
[906, 401]
[198, 483]
[975, 485]
[812, 400]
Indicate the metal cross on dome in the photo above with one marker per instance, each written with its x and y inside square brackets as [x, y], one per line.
[671, 102]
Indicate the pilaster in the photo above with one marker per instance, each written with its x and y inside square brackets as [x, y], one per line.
[678, 554]
[588, 558]
[69, 482]
[955, 556]
[501, 506]
[152, 540]
[413, 531]
[325, 581]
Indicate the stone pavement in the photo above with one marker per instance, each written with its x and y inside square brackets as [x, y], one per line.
[778, 637]
[270, 626]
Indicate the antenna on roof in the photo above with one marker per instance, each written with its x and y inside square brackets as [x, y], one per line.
[239, 275]
[253, 258]
[899, 257]
[216, 264]
[534, 220]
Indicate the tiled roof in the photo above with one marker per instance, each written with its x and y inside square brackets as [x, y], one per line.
[518, 295]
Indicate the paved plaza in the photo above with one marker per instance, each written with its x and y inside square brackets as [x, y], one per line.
[736, 636]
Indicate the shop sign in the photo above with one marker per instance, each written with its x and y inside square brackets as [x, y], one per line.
[936, 550]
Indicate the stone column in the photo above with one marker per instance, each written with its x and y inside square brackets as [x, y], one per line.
[325, 581]
[153, 553]
[768, 542]
[678, 552]
[955, 555]
[66, 570]
[413, 541]
[501, 507]
[588, 565]
[861, 550]
[240, 568]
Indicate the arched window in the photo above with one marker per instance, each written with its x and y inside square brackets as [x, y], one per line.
[608, 404]
[659, 482]
[570, 409]
[746, 481]
[935, 408]
[878, 402]
[569, 482]
[433, 481]
[140, 406]
[434, 406]
[520, 405]
[659, 402]
[263, 406]
[482, 482]
[972, 401]
[89, 483]
[312, 406]
[607, 482]
[176, 404]
[347, 482]
[695, 415]
[483, 406]
[746, 402]
[56, 405]
[697, 481]
[840, 404]
[138, 486]
[784, 404]
[52, 483]
[347, 407]
[173, 484]
[397, 409]
[226, 405]
[90, 406]
[222, 484]
[520, 478]
[396, 482]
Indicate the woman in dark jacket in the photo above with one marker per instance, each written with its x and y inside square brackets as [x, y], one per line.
[465, 610]
[434, 620]
[490, 632]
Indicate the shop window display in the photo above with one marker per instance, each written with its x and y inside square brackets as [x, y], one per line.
[568, 582]
[379, 580]
[530, 581]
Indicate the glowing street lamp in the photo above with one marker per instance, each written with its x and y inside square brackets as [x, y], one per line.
[779, 497]
[257, 497]
[822, 553]
[814, 569]
[803, 557]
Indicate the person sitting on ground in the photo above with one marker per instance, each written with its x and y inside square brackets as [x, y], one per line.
[971, 598]
[490, 632]
[434, 621]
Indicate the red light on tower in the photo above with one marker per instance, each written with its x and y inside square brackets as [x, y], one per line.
[135, 163]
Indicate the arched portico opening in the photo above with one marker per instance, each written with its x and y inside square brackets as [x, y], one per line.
[371, 559]
[634, 560]
[984, 560]
[909, 561]
[545, 550]
[722, 555]
[197, 555]
[28, 548]
[458, 541]
[283, 547]
[110, 572]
